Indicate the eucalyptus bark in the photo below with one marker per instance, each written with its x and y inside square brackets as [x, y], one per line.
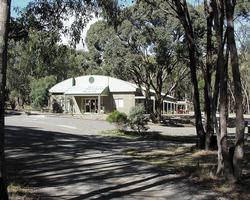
[240, 125]
[209, 127]
[158, 94]
[183, 14]
[247, 101]
[158, 108]
[219, 15]
[148, 104]
[223, 106]
[4, 21]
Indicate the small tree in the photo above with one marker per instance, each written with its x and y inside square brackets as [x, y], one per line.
[137, 118]
[39, 91]
[118, 118]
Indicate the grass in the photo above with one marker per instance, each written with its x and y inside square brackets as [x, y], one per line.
[200, 166]
[118, 133]
[20, 192]
[148, 136]
[18, 187]
[180, 158]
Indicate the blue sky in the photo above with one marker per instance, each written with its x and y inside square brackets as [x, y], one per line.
[18, 3]
[23, 3]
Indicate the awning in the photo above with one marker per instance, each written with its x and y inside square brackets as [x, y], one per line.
[87, 91]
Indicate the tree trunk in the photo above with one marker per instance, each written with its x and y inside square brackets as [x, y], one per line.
[148, 104]
[183, 14]
[232, 106]
[247, 100]
[209, 127]
[240, 125]
[196, 101]
[158, 108]
[4, 21]
[228, 168]
[218, 7]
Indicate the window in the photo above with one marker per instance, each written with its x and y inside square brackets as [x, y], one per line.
[119, 103]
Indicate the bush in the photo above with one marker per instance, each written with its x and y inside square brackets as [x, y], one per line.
[118, 118]
[137, 118]
[12, 99]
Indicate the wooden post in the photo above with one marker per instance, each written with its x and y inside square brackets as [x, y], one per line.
[65, 103]
[99, 104]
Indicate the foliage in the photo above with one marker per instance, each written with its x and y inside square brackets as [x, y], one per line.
[39, 56]
[50, 16]
[137, 118]
[143, 49]
[118, 118]
[12, 99]
[106, 53]
[39, 90]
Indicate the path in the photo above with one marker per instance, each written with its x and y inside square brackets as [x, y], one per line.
[67, 159]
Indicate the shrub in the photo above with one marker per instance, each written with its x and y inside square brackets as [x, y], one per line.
[118, 118]
[137, 118]
[12, 99]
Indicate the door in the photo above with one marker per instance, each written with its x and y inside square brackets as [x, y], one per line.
[91, 105]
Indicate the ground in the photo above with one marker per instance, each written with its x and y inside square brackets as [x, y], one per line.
[69, 158]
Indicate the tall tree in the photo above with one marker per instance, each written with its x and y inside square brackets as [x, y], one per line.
[148, 52]
[36, 57]
[4, 24]
[183, 14]
[207, 73]
[240, 125]
[180, 9]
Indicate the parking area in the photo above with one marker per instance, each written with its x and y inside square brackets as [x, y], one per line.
[66, 158]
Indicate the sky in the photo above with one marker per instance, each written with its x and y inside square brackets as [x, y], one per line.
[18, 3]
[23, 3]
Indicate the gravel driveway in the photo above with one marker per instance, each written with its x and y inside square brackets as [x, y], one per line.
[66, 158]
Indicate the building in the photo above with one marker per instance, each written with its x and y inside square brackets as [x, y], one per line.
[183, 107]
[101, 94]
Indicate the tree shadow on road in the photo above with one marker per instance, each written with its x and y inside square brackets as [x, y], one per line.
[68, 166]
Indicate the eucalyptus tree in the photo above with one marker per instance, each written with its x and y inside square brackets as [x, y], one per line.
[243, 35]
[46, 15]
[35, 57]
[40, 91]
[18, 73]
[240, 124]
[111, 53]
[140, 49]
[4, 24]
[180, 10]
[217, 13]
[155, 40]
[105, 51]
[160, 37]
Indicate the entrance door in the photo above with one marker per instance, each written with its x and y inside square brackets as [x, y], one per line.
[91, 105]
